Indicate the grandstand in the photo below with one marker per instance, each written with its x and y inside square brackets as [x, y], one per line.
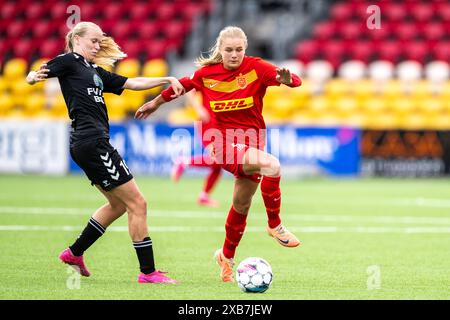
[396, 76]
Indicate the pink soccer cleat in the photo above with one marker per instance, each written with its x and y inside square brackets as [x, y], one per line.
[177, 170]
[156, 276]
[75, 262]
[204, 200]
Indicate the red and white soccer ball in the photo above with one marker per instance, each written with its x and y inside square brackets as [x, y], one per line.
[254, 274]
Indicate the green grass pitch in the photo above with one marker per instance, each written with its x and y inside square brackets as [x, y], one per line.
[361, 239]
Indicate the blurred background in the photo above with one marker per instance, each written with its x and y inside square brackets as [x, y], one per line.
[375, 98]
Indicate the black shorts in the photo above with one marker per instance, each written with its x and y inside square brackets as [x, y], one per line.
[102, 163]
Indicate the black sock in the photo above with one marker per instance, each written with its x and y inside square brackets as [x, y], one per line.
[90, 234]
[144, 251]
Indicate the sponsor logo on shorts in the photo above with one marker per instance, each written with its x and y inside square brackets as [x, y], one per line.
[107, 162]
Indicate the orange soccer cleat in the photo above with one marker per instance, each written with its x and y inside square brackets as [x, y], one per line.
[283, 236]
[226, 266]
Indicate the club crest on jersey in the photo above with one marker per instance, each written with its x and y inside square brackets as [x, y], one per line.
[98, 81]
[241, 81]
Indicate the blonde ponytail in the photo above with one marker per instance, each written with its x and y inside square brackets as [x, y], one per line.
[109, 51]
[214, 56]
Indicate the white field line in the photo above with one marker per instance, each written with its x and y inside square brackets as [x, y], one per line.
[192, 214]
[311, 229]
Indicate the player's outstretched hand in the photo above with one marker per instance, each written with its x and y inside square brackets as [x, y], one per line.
[146, 109]
[284, 76]
[38, 76]
[177, 87]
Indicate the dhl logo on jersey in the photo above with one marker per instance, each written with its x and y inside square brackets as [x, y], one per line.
[231, 105]
[239, 83]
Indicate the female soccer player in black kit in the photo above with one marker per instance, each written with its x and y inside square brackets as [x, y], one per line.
[82, 83]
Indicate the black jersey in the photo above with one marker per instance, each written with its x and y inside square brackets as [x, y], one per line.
[82, 84]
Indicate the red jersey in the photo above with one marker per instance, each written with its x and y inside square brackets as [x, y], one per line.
[234, 97]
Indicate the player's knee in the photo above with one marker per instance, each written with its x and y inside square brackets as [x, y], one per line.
[272, 169]
[241, 205]
[138, 206]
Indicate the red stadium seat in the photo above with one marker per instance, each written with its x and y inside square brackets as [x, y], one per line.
[342, 11]
[324, 30]
[389, 50]
[34, 10]
[351, 30]
[16, 29]
[133, 48]
[422, 12]
[89, 11]
[121, 30]
[140, 11]
[58, 11]
[406, 31]
[333, 51]
[165, 11]
[155, 49]
[112, 11]
[416, 50]
[393, 11]
[42, 29]
[307, 51]
[361, 50]
[147, 30]
[441, 51]
[51, 48]
[434, 31]
[442, 9]
[10, 10]
[23, 49]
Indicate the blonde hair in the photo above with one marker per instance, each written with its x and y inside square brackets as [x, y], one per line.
[214, 56]
[109, 51]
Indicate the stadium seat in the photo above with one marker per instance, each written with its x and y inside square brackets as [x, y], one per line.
[307, 51]
[324, 31]
[361, 50]
[409, 71]
[155, 68]
[352, 70]
[441, 51]
[23, 49]
[416, 50]
[433, 31]
[389, 50]
[437, 71]
[34, 104]
[421, 11]
[6, 104]
[341, 11]
[381, 70]
[15, 69]
[393, 11]
[128, 68]
[319, 71]
[406, 31]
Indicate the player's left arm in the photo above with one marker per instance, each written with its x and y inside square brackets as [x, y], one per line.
[274, 76]
[143, 83]
[287, 78]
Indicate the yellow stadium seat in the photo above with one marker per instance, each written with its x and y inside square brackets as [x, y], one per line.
[346, 104]
[155, 68]
[6, 104]
[34, 104]
[20, 90]
[58, 108]
[431, 105]
[37, 64]
[182, 116]
[14, 69]
[319, 105]
[134, 99]
[402, 105]
[337, 87]
[364, 89]
[381, 121]
[128, 68]
[374, 105]
[391, 89]
[3, 85]
[284, 107]
[117, 106]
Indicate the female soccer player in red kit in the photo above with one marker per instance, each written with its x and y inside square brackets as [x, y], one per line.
[233, 86]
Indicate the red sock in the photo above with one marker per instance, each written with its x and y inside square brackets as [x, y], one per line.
[200, 161]
[234, 229]
[271, 193]
[212, 178]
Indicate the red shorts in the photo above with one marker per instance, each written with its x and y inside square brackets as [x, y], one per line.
[231, 157]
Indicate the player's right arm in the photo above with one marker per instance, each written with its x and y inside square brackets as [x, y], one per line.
[38, 76]
[57, 67]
